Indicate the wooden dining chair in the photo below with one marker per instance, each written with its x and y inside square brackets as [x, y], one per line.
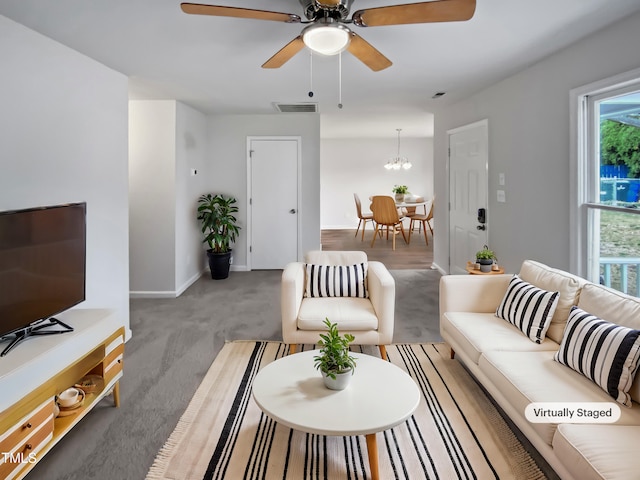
[385, 214]
[412, 211]
[425, 221]
[363, 217]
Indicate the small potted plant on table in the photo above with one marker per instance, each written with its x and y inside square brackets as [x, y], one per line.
[400, 191]
[334, 361]
[216, 214]
[485, 258]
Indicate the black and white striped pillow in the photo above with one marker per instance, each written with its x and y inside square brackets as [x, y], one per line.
[604, 352]
[336, 280]
[529, 308]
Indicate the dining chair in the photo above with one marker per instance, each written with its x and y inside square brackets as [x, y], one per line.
[425, 221]
[385, 214]
[412, 211]
[363, 217]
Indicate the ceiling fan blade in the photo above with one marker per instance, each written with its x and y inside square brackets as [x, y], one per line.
[329, 3]
[217, 11]
[424, 12]
[285, 53]
[367, 53]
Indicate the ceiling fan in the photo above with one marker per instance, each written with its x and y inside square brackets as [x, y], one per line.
[327, 33]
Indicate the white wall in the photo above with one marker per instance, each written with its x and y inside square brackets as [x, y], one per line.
[191, 151]
[227, 168]
[529, 122]
[349, 166]
[63, 138]
[152, 185]
[167, 142]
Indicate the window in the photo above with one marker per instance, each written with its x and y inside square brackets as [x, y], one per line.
[606, 212]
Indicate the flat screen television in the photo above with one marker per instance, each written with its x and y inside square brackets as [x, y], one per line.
[42, 269]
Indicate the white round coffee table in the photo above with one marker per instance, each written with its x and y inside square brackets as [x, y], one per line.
[380, 396]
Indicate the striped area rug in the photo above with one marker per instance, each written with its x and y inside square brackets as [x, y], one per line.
[456, 431]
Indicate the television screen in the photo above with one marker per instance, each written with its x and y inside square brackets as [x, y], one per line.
[42, 263]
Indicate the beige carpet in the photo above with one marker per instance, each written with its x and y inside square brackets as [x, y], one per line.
[456, 432]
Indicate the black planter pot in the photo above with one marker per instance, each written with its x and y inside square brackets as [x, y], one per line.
[219, 264]
[485, 264]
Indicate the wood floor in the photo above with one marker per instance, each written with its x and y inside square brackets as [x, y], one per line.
[415, 255]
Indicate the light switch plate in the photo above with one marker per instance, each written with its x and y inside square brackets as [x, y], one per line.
[501, 179]
[502, 197]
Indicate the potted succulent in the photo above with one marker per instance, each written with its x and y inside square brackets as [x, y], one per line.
[485, 258]
[219, 226]
[334, 361]
[400, 191]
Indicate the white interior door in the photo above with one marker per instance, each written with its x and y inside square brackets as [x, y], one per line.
[273, 202]
[468, 164]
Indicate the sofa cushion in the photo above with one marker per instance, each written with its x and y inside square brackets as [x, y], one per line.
[525, 377]
[336, 280]
[592, 452]
[615, 307]
[354, 314]
[528, 307]
[605, 353]
[554, 280]
[475, 333]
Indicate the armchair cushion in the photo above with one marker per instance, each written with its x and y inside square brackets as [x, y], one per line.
[355, 314]
[336, 280]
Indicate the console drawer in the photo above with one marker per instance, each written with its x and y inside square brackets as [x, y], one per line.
[20, 447]
[25, 427]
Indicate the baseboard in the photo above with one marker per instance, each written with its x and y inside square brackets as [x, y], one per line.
[168, 293]
[339, 227]
[435, 266]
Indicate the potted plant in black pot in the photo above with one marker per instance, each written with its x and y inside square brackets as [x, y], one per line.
[334, 361]
[219, 226]
[485, 258]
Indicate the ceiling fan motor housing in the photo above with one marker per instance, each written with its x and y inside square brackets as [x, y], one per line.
[336, 9]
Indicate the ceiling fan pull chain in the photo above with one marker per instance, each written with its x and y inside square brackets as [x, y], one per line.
[340, 80]
[310, 73]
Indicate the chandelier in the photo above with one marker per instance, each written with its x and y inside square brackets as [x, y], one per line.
[398, 162]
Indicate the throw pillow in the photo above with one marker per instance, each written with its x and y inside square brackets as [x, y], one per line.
[336, 280]
[528, 307]
[602, 351]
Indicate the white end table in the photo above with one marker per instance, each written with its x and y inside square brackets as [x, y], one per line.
[380, 396]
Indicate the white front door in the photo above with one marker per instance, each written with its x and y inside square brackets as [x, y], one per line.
[468, 164]
[273, 201]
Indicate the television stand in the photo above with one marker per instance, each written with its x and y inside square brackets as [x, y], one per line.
[36, 328]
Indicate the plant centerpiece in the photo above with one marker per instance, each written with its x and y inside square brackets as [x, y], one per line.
[334, 361]
[219, 226]
[485, 258]
[400, 191]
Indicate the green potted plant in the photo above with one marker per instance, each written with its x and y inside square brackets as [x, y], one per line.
[334, 361]
[219, 227]
[485, 258]
[400, 191]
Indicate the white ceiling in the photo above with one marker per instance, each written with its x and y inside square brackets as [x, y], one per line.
[213, 63]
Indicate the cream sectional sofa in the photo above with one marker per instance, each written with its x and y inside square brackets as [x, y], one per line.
[517, 371]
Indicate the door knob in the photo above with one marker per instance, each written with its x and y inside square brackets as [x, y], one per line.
[481, 227]
[292, 211]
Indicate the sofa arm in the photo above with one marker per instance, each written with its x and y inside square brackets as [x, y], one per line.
[382, 293]
[472, 293]
[291, 293]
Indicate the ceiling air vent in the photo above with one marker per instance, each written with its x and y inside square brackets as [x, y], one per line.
[296, 107]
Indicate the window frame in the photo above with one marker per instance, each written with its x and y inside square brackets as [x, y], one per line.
[584, 151]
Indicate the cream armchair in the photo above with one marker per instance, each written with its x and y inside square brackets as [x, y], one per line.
[369, 320]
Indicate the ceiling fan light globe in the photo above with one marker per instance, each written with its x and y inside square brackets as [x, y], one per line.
[407, 165]
[326, 39]
[388, 166]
